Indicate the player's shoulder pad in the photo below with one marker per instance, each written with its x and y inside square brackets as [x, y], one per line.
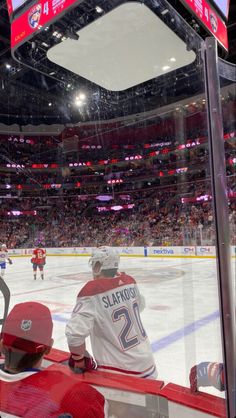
[95, 287]
[125, 278]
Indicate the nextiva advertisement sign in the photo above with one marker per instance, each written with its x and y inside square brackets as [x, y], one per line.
[161, 251]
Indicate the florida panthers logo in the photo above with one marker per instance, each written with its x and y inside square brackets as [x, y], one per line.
[34, 16]
[214, 22]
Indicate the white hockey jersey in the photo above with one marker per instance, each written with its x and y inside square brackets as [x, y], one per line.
[3, 256]
[109, 311]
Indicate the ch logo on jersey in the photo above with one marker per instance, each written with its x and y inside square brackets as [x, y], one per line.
[26, 324]
[34, 16]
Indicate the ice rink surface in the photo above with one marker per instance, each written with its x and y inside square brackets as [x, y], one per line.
[181, 316]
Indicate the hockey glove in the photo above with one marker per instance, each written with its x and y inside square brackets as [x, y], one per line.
[10, 261]
[80, 364]
[207, 374]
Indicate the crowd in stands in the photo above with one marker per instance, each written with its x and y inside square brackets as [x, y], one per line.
[158, 217]
[73, 215]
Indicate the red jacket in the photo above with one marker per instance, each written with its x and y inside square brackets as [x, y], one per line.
[48, 394]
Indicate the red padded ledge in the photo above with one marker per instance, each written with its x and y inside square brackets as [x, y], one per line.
[57, 356]
[114, 381]
[204, 402]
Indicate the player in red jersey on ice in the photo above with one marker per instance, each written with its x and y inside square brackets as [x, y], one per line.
[26, 390]
[38, 260]
[108, 310]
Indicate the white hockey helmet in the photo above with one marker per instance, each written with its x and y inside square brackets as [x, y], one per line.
[104, 258]
[3, 246]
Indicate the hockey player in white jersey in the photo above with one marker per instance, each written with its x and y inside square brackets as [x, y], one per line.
[3, 259]
[108, 310]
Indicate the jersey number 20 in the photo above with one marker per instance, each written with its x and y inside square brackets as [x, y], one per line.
[123, 314]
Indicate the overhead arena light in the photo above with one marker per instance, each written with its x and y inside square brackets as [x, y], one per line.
[123, 48]
[99, 9]
[78, 102]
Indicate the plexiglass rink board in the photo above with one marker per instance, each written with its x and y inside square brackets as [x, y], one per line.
[167, 285]
[227, 73]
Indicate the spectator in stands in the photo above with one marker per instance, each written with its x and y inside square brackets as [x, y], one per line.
[28, 391]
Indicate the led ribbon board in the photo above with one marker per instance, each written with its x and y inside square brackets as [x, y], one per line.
[36, 17]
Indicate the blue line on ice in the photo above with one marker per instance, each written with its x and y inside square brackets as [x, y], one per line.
[174, 336]
[183, 332]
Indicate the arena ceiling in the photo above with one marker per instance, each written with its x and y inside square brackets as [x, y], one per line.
[44, 94]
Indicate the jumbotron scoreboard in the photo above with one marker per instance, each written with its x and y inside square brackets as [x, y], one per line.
[212, 14]
[29, 16]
